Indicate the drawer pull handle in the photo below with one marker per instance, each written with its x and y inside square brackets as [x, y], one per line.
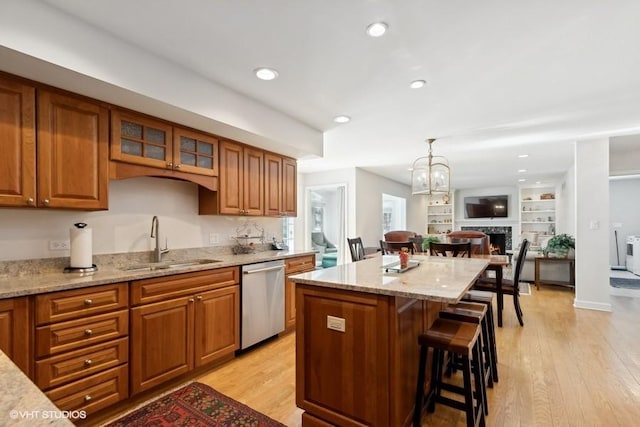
[191, 300]
[88, 332]
[88, 301]
[199, 298]
[88, 362]
[87, 398]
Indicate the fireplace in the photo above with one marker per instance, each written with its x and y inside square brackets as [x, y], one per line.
[500, 238]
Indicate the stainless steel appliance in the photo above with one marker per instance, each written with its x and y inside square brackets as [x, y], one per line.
[636, 255]
[262, 302]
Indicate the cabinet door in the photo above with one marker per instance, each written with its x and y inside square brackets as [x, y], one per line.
[161, 342]
[272, 185]
[140, 140]
[217, 324]
[253, 190]
[289, 187]
[194, 152]
[15, 331]
[73, 157]
[289, 304]
[17, 144]
[231, 178]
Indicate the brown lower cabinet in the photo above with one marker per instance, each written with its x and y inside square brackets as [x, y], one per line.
[82, 347]
[295, 265]
[15, 331]
[185, 330]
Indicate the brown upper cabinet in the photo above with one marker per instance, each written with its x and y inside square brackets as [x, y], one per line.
[73, 152]
[144, 141]
[280, 185]
[17, 143]
[69, 145]
[241, 188]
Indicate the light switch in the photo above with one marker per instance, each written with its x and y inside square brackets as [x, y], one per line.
[594, 224]
[336, 323]
[617, 225]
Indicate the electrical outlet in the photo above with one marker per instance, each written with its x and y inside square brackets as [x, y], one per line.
[59, 245]
[214, 238]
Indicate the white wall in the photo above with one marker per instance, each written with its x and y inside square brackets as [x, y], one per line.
[566, 203]
[624, 196]
[369, 189]
[126, 226]
[592, 224]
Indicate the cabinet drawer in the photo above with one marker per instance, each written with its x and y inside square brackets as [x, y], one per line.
[67, 305]
[162, 288]
[79, 333]
[299, 264]
[66, 367]
[93, 393]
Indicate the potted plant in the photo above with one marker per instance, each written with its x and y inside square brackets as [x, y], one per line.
[560, 245]
[427, 241]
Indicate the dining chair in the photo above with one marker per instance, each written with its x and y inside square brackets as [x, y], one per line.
[460, 250]
[479, 240]
[509, 287]
[389, 248]
[357, 248]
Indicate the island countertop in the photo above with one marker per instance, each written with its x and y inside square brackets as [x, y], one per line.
[435, 278]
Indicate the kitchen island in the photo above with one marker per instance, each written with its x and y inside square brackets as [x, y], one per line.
[356, 336]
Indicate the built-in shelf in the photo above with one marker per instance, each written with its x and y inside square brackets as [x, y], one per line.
[440, 214]
[537, 212]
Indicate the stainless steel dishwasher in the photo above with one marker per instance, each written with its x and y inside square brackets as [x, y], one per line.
[262, 302]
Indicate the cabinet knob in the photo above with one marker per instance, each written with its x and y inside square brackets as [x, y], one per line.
[88, 362]
[88, 332]
[199, 297]
[177, 166]
[45, 202]
[30, 201]
[169, 165]
[88, 301]
[191, 300]
[87, 398]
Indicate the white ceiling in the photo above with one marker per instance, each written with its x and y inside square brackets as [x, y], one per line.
[503, 77]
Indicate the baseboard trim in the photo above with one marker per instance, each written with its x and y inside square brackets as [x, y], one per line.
[591, 305]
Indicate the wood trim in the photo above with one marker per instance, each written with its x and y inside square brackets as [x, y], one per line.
[119, 170]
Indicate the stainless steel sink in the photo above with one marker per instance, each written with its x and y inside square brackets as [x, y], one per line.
[168, 265]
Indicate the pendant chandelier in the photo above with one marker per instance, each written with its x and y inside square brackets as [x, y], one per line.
[430, 174]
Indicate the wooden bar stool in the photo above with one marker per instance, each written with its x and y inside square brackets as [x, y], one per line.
[486, 298]
[462, 339]
[474, 313]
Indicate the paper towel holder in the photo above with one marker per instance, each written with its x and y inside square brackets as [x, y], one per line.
[81, 270]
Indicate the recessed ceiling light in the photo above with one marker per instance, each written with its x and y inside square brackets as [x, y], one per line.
[342, 119]
[538, 182]
[522, 170]
[521, 180]
[417, 84]
[377, 29]
[264, 73]
[523, 156]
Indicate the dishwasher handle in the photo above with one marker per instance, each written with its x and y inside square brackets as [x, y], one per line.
[262, 270]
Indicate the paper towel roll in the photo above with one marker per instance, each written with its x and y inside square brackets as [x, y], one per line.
[81, 246]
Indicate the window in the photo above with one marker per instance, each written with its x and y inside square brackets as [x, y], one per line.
[394, 213]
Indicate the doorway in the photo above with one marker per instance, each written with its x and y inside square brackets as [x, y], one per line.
[325, 221]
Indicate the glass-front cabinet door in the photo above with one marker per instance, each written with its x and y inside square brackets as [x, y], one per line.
[194, 152]
[141, 140]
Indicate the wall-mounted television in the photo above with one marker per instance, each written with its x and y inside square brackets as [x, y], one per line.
[486, 207]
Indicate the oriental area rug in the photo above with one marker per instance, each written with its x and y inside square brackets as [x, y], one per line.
[195, 405]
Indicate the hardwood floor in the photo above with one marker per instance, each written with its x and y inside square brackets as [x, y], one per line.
[566, 366]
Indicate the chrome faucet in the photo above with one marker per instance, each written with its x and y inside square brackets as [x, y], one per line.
[157, 252]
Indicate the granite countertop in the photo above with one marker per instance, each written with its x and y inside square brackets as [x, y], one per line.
[34, 280]
[435, 278]
[23, 404]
